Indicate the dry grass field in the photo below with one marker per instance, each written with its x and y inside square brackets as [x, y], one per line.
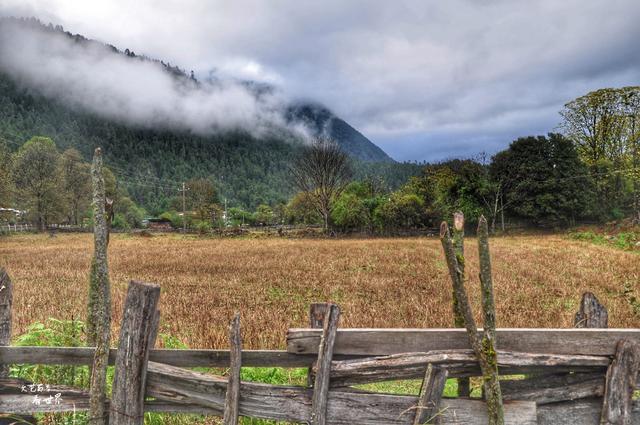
[377, 282]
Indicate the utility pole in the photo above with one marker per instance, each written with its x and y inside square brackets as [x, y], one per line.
[184, 209]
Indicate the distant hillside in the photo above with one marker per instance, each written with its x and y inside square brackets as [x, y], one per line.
[323, 122]
[152, 161]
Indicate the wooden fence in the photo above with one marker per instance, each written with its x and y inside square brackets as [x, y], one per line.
[14, 228]
[571, 376]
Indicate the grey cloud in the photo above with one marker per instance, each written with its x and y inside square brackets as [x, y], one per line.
[94, 77]
[424, 79]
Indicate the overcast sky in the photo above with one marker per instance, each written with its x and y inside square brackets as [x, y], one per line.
[425, 80]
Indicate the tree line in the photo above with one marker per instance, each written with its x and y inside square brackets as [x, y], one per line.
[590, 172]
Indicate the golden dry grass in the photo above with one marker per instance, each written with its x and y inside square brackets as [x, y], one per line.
[377, 282]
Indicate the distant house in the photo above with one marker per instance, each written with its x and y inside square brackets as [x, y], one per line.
[11, 214]
[159, 224]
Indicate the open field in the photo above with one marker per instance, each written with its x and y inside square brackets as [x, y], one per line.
[377, 282]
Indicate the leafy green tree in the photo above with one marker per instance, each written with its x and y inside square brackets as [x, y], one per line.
[77, 184]
[351, 212]
[36, 174]
[6, 182]
[400, 210]
[301, 209]
[264, 215]
[202, 198]
[549, 185]
[456, 185]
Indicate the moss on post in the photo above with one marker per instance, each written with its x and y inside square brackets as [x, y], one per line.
[99, 305]
[483, 347]
[464, 387]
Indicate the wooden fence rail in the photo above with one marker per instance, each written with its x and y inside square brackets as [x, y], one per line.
[580, 376]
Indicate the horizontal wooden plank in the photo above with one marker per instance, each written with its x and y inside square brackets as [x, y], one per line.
[293, 404]
[554, 388]
[580, 412]
[181, 358]
[458, 362]
[381, 342]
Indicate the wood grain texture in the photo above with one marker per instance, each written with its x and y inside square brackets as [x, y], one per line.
[6, 300]
[458, 362]
[232, 398]
[620, 383]
[317, 313]
[320, 397]
[554, 388]
[428, 406]
[293, 404]
[592, 314]
[174, 357]
[127, 401]
[381, 342]
[580, 412]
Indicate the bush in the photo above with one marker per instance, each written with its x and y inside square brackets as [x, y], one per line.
[350, 213]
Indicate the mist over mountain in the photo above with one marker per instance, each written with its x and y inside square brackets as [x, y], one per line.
[160, 125]
[136, 90]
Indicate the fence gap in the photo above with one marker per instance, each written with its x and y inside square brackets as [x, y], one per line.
[129, 381]
[232, 399]
[325, 355]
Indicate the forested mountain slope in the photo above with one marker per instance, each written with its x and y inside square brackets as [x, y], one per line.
[152, 161]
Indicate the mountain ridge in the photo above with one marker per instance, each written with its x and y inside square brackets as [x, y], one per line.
[317, 118]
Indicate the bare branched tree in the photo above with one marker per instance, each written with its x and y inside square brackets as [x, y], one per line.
[322, 170]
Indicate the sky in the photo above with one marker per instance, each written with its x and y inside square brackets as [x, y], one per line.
[424, 80]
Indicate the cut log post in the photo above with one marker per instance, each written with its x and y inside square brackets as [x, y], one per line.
[620, 383]
[427, 409]
[592, 314]
[464, 386]
[488, 359]
[129, 381]
[232, 399]
[317, 313]
[99, 315]
[483, 347]
[325, 355]
[6, 299]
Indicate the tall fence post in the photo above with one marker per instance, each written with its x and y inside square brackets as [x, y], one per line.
[232, 398]
[325, 355]
[6, 299]
[620, 383]
[137, 330]
[317, 312]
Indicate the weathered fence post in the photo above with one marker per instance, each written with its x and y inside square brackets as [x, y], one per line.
[232, 399]
[483, 347]
[129, 381]
[317, 313]
[621, 381]
[6, 299]
[99, 314]
[592, 314]
[433, 384]
[464, 387]
[325, 355]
